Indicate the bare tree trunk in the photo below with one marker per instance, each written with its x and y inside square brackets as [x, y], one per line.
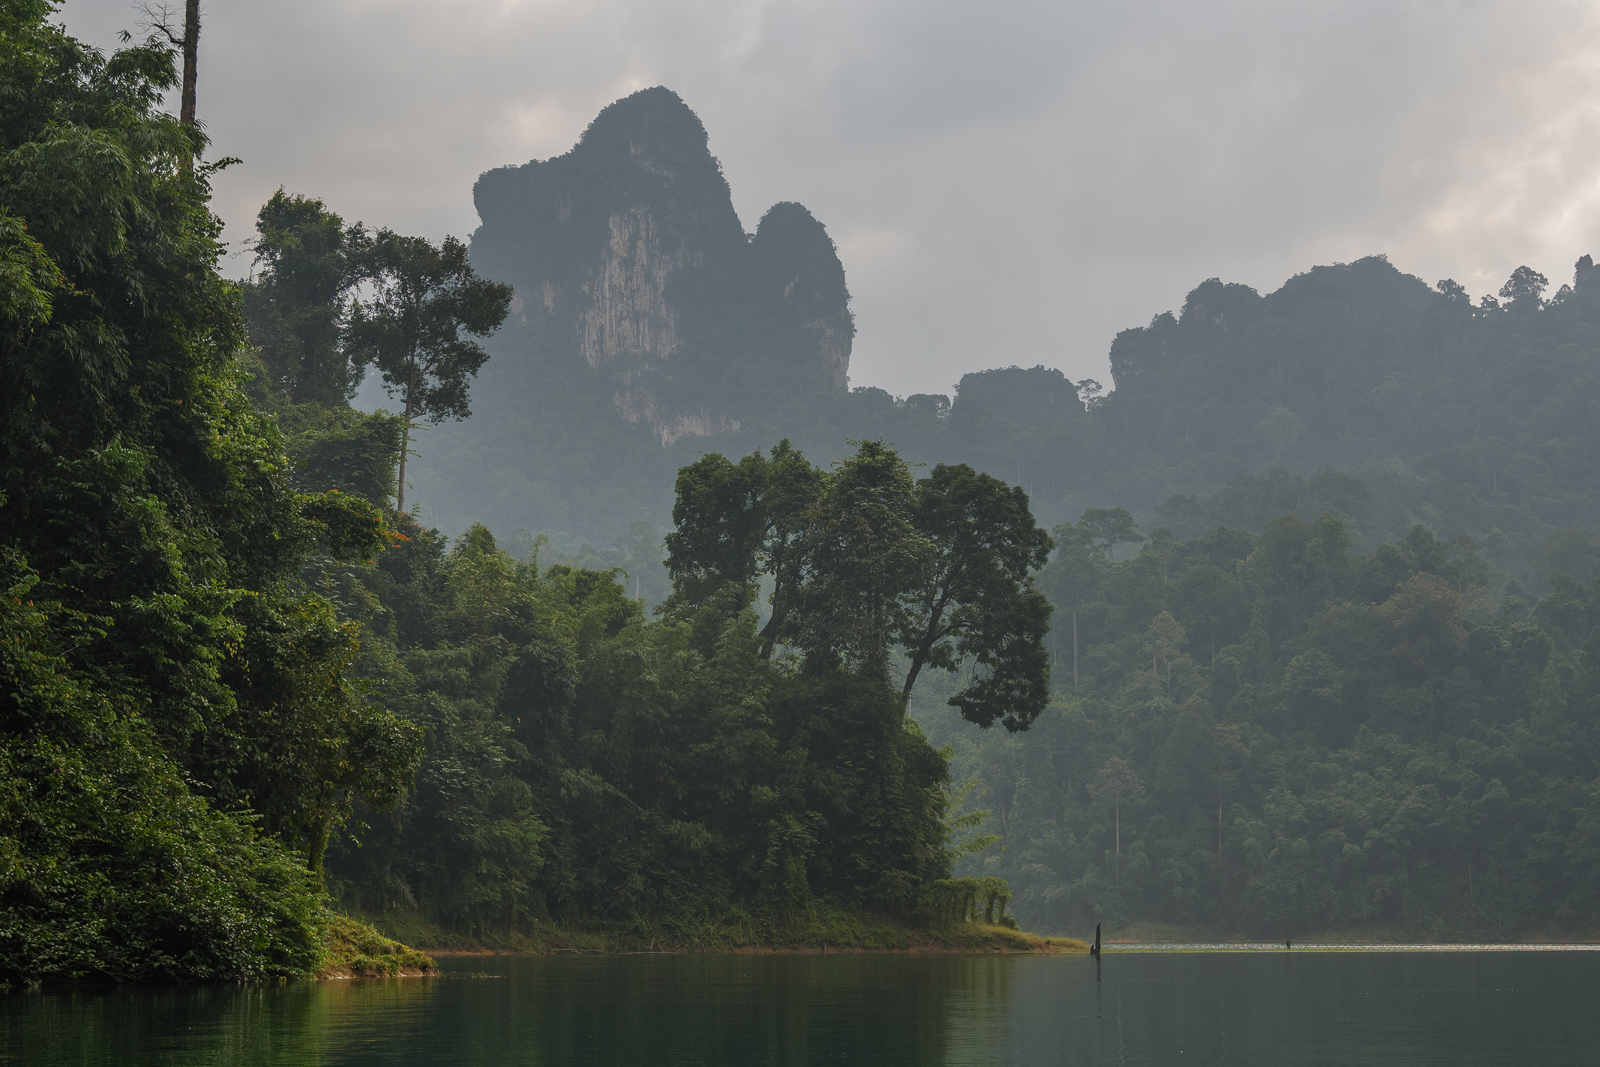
[1074, 648]
[405, 448]
[405, 439]
[191, 52]
[188, 43]
[318, 850]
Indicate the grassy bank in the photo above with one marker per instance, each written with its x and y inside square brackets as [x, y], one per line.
[823, 928]
[354, 949]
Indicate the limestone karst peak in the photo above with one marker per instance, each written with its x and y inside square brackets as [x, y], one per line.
[629, 258]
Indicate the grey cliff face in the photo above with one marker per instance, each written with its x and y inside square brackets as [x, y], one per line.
[627, 254]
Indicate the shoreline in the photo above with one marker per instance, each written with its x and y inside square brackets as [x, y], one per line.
[827, 931]
[1047, 950]
[1047, 947]
[1130, 947]
[1035, 947]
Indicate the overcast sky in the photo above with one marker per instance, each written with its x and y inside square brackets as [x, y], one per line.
[1008, 181]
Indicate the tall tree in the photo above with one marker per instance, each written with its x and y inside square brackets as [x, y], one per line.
[295, 309]
[426, 297]
[867, 559]
[736, 522]
[720, 519]
[1074, 577]
[1111, 527]
[793, 485]
[1117, 783]
[863, 556]
[1524, 290]
[976, 601]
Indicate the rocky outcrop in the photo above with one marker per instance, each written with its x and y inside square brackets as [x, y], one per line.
[627, 255]
[627, 312]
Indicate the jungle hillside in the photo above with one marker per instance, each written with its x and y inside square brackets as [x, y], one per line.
[249, 694]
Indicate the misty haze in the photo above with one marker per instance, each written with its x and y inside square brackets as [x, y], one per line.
[775, 533]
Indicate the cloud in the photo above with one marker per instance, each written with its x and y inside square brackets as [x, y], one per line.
[1010, 182]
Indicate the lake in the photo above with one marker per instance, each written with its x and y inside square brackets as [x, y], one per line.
[1253, 1007]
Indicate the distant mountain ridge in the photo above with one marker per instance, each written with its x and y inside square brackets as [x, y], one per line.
[651, 328]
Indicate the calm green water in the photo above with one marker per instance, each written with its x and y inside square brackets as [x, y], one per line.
[1140, 1008]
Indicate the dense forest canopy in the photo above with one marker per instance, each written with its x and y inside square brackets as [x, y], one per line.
[1270, 735]
[699, 773]
[179, 736]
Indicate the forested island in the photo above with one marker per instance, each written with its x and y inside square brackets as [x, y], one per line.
[855, 669]
[245, 688]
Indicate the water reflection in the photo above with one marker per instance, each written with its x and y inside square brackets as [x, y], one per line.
[1133, 1008]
